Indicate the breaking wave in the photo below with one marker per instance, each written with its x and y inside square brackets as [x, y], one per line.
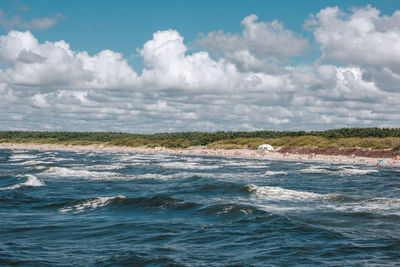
[32, 162]
[66, 172]
[384, 206]
[188, 165]
[270, 173]
[32, 181]
[22, 156]
[279, 193]
[342, 170]
[350, 170]
[91, 204]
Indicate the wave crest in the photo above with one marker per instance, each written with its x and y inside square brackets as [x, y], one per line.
[31, 181]
[342, 170]
[65, 172]
[279, 193]
[91, 204]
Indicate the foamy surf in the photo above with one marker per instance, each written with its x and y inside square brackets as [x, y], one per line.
[109, 167]
[66, 172]
[383, 206]
[350, 170]
[271, 173]
[316, 169]
[16, 157]
[279, 193]
[245, 164]
[31, 181]
[342, 170]
[91, 204]
[188, 165]
[32, 162]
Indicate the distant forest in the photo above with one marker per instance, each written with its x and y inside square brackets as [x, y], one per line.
[388, 138]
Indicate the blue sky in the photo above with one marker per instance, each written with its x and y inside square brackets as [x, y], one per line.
[282, 69]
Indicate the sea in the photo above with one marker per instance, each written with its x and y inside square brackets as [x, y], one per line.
[60, 208]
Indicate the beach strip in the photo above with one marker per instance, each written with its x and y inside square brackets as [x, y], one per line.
[204, 151]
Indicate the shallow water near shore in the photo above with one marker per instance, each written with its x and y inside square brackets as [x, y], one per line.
[112, 209]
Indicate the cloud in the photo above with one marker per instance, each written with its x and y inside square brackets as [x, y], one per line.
[54, 64]
[259, 43]
[362, 38]
[168, 66]
[16, 22]
[49, 86]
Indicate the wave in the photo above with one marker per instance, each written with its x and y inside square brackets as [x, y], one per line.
[33, 162]
[188, 165]
[350, 170]
[65, 172]
[270, 173]
[32, 181]
[382, 206]
[91, 204]
[230, 210]
[386, 200]
[122, 202]
[161, 202]
[155, 176]
[341, 170]
[131, 158]
[278, 193]
[114, 166]
[16, 157]
[105, 175]
[316, 169]
[55, 158]
[246, 164]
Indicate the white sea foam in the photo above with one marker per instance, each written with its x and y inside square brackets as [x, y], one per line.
[384, 206]
[16, 157]
[115, 166]
[154, 176]
[50, 153]
[97, 175]
[66, 172]
[56, 158]
[270, 173]
[279, 193]
[32, 181]
[341, 170]
[32, 162]
[350, 170]
[90, 204]
[246, 164]
[187, 165]
[316, 169]
[131, 158]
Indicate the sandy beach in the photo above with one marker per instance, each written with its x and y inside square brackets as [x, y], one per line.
[245, 153]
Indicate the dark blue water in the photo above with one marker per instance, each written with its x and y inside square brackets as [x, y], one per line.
[111, 209]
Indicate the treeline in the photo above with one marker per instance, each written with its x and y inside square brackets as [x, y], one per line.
[186, 139]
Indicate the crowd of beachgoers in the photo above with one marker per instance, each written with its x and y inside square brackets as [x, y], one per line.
[245, 153]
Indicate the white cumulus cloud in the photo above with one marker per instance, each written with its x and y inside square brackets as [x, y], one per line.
[361, 38]
[53, 64]
[258, 44]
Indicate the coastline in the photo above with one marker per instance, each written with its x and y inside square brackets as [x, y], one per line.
[203, 151]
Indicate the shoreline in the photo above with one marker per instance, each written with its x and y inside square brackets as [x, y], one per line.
[203, 151]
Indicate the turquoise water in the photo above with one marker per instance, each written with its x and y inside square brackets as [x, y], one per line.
[117, 209]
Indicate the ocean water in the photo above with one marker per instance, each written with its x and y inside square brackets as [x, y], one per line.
[117, 209]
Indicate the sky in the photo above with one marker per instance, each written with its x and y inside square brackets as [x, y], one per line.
[167, 66]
